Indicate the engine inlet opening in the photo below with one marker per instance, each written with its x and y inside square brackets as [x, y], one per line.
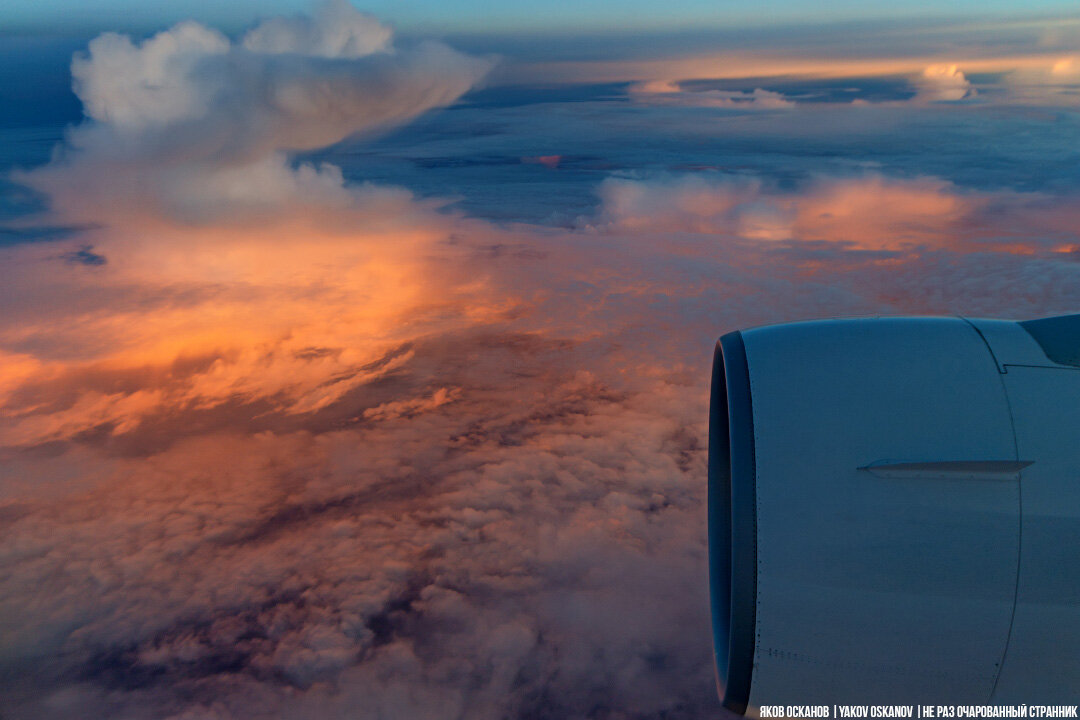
[732, 510]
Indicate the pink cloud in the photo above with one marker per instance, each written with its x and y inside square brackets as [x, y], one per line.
[381, 468]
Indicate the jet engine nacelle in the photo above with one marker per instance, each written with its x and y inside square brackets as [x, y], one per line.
[894, 513]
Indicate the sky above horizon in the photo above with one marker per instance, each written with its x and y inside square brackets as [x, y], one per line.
[347, 372]
[487, 16]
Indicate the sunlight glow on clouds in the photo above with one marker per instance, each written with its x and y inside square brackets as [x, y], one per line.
[665, 92]
[1041, 77]
[943, 82]
[864, 212]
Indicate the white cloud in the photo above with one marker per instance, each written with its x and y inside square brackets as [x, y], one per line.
[188, 124]
[943, 83]
[338, 30]
[669, 92]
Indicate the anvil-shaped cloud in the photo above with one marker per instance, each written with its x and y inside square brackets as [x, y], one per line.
[191, 124]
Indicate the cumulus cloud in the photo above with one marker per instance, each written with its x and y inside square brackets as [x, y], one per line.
[869, 212]
[655, 87]
[326, 462]
[667, 92]
[191, 124]
[337, 30]
[1051, 83]
[943, 83]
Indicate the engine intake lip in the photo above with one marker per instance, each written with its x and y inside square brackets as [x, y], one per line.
[732, 511]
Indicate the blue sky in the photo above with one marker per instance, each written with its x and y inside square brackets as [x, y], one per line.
[524, 15]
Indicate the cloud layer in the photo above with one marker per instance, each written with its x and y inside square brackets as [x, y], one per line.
[356, 455]
[419, 466]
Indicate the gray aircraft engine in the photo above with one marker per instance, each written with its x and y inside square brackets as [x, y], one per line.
[894, 513]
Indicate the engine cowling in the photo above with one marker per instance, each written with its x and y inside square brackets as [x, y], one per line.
[894, 512]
